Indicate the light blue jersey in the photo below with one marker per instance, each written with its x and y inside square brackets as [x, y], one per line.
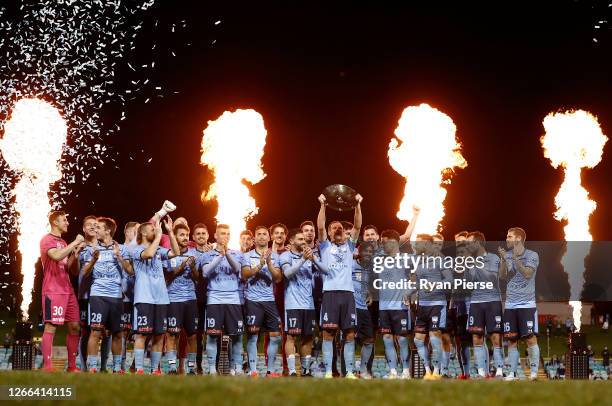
[107, 271]
[520, 291]
[339, 260]
[489, 272]
[298, 287]
[430, 270]
[127, 280]
[182, 288]
[259, 287]
[392, 297]
[360, 285]
[84, 281]
[223, 280]
[150, 285]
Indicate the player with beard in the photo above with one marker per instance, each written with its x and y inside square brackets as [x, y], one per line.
[150, 292]
[222, 267]
[431, 310]
[261, 311]
[59, 302]
[519, 266]
[105, 262]
[200, 237]
[338, 306]
[485, 315]
[181, 275]
[296, 265]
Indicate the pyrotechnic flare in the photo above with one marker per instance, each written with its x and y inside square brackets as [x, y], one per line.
[232, 147]
[32, 145]
[426, 152]
[574, 140]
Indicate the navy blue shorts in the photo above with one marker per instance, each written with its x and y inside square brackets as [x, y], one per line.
[105, 313]
[338, 310]
[183, 315]
[300, 322]
[396, 322]
[430, 318]
[150, 318]
[84, 313]
[485, 318]
[365, 325]
[520, 323]
[224, 319]
[126, 316]
[262, 315]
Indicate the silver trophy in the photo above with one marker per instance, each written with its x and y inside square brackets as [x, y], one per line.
[340, 197]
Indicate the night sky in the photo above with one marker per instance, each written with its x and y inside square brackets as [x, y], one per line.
[331, 83]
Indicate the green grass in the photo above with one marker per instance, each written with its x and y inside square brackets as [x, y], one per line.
[148, 390]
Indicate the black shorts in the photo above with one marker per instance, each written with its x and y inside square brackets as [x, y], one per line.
[183, 315]
[451, 321]
[365, 326]
[300, 322]
[520, 323]
[201, 316]
[485, 318]
[430, 318]
[126, 316]
[84, 313]
[224, 319]
[150, 318]
[105, 313]
[395, 322]
[338, 310]
[262, 314]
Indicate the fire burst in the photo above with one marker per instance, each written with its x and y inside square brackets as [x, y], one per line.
[426, 153]
[232, 147]
[574, 140]
[32, 145]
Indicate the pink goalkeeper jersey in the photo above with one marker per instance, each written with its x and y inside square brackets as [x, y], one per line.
[55, 275]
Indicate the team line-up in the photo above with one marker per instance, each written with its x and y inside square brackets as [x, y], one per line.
[165, 291]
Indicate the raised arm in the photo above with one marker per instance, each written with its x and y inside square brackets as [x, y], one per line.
[358, 219]
[176, 250]
[57, 254]
[321, 220]
[150, 251]
[411, 225]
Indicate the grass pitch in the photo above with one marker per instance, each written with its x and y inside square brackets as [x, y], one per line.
[149, 390]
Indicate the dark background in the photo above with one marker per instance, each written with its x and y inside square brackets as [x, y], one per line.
[331, 81]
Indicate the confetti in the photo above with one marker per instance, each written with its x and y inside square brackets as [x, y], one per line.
[70, 52]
